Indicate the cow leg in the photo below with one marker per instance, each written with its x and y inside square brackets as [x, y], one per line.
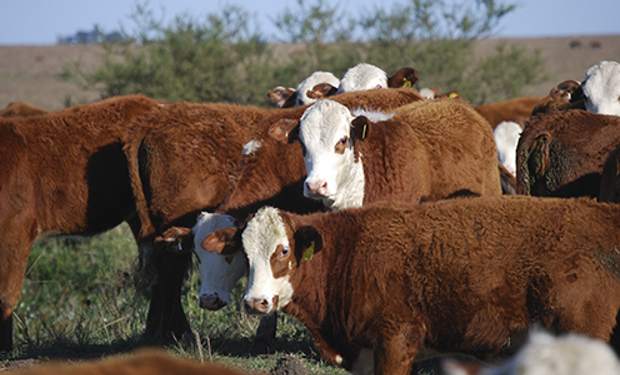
[397, 350]
[13, 259]
[166, 317]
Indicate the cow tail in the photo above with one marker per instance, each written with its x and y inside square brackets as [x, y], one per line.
[132, 149]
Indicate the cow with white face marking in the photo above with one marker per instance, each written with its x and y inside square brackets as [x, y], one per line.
[602, 88]
[506, 136]
[378, 283]
[304, 94]
[427, 150]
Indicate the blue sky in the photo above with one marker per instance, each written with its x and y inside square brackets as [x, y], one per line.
[40, 22]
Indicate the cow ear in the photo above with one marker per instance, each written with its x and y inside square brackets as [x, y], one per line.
[178, 240]
[322, 90]
[285, 130]
[405, 77]
[565, 90]
[224, 241]
[360, 127]
[308, 242]
[284, 97]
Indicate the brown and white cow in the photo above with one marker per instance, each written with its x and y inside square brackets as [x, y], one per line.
[602, 88]
[562, 154]
[288, 97]
[62, 173]
[379, 282]
[427, 150]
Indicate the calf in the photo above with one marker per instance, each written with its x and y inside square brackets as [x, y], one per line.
[602, 88]
[416, 153]
[379, 282]
[287, 97]
[562, 154]
[366, 77]
[62, 173]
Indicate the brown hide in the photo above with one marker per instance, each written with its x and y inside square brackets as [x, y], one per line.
[460, 275]
[274, 173]
[565, 96]
[181, 161]
[22, 110]
[429, 150]
[610, 180]
[495, 113]
[64, 172]
[143, 362]
[562, 154]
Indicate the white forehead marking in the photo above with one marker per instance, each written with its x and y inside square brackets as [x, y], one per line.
[263, 233]
[363, 77]
[313, 80]
[251, 147]
[322, 121]
[602, 88]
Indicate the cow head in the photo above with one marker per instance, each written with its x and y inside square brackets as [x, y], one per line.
[305, 93]
[506, 136]
[367, 77]
[220, 268]
[602, 88]
[275, 250]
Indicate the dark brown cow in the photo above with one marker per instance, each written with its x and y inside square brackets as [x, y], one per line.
[462, 275]
[143, 362]
[562, 154]
[565, 96]
[64, 172]
[506, 110]
[22, 110]
[182, 162]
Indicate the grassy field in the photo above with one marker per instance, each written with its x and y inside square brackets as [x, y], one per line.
[80, 301]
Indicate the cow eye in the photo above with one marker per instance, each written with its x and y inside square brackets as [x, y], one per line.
[284, 253]
[344, 140]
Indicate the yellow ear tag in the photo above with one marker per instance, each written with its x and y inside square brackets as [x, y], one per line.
[309, 253]
[364, 131]
[407, 83]
[453, 95]
[231, 243]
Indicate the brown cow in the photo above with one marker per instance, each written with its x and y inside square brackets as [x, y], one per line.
[565, 96]
[461, 275]
[507, 110]
[562, 154]
[181, 163]
[427, 150]
[22, 110]
[64, 172]
[143, 362]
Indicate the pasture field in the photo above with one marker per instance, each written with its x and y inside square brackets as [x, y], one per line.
[80, 301]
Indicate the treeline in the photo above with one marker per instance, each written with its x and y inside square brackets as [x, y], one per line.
[220, 59]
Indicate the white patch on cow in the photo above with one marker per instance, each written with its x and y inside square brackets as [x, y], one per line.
[309, 83]
[321, 127]
[427, 93]
[602, 88]
[373, 116]
[507, 136]
[261, 236]
[251, 147]
[363, 77]
[544, 354]
[218, 275]
[365, 363]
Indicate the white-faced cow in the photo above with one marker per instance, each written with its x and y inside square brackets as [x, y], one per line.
[377, 283]
[288, 97]
[602, 88]
[506, 136]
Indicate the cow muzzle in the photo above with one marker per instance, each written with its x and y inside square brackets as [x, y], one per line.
[260, 306]
[316, 189]
[211, 301]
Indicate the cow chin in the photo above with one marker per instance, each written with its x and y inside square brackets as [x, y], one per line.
[211, 301]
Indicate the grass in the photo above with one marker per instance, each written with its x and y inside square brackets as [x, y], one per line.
[80, 301]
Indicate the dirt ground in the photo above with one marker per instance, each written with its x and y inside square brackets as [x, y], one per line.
[30, 73]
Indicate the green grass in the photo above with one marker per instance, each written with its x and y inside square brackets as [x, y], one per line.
[79, 301]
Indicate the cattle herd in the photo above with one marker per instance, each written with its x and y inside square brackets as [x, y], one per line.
[393, 225]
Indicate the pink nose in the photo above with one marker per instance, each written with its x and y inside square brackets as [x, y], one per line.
[211, 301]
[317, 188]
[256, 306]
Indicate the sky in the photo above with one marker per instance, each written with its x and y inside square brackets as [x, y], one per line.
[41, 22]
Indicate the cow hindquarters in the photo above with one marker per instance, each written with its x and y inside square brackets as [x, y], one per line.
[166, 317]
